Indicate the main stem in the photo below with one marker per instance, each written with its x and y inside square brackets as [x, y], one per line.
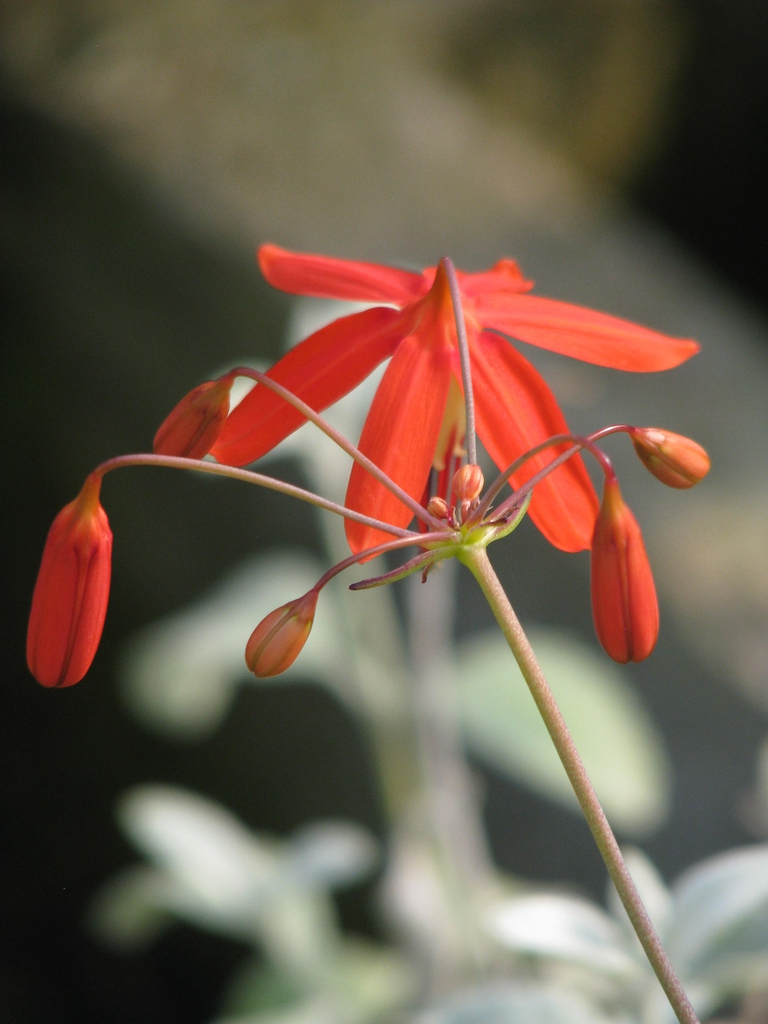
[476, 559]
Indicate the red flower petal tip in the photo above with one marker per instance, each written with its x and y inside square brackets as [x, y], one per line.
[278, 639]
[192, 428]
[672, 458]
[70, 599]
[624, 605]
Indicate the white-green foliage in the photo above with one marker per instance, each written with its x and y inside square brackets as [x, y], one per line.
[713, 923]
[524, 1002]
[615, 736]
[204, 867]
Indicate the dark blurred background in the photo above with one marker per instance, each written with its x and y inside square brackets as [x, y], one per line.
[127, 223]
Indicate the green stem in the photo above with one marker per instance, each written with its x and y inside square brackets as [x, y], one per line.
[476, 559]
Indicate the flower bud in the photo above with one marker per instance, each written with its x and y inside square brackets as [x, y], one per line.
[277, 640]
[675, 460]
[468, 482]
[624, 605]
[70, 599]
[438, 507]
[192, 428]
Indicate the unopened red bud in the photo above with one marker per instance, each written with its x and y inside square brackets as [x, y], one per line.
[277, 640]
[468, 482]
[72, 590]
[192, 428]
[624, 605]
[438, 507]
[675, 460]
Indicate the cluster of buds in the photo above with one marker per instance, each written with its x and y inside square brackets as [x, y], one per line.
[467, 485]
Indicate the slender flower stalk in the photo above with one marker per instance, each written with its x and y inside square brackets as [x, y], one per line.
[476, 560]
[362, 460]
[69, 604]
[249, 477]
[577, 444]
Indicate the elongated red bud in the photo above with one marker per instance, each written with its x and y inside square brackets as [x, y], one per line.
[624, 605]
[193, 427]
[278, 639]
[468, 482]
[72, 590]
[675, 460]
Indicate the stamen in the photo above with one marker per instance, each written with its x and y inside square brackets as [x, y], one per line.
[466, 373]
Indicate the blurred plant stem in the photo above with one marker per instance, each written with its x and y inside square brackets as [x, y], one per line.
[382, 683]
[449, 790]
[425, 780]
[476, 559]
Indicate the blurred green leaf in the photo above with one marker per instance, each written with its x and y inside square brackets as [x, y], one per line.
[211, 871]
[362, 983]
[332, 853]
[179, 675]
[720, 930]
[371, 979]
[259, 987]
[128, 911]
[565, 928]
[514, 1004]
[618, 742]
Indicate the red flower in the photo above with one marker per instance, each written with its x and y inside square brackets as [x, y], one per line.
[71, 593]
[416, 403]
[624, 605]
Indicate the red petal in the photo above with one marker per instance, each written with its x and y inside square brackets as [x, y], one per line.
[581, 333]
[505, 276]
[516, 410]
[320, 370]
[70, 599]
[399, 435]
[327, 278]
